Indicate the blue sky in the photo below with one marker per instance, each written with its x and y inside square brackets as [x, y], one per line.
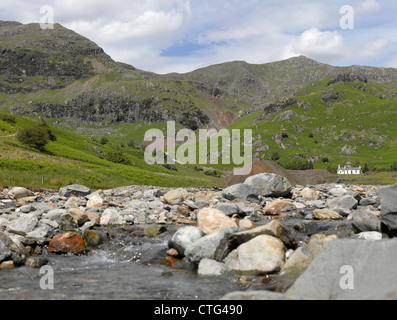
[182, 35]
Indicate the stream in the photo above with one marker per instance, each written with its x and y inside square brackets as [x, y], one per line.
[129, 267]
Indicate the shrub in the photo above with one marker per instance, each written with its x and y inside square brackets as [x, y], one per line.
[36, 137]
[51, 135]
[8, 118]
[131, 144]
[298, 164]
[275, 156]
[118, 157]
[213, 173]
[104, 141]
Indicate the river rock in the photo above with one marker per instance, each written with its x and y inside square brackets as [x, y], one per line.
[370, 236]
[94, 201]
[94, 238]
[241, 191]
[326, 214]
[154, 230]
[318, 242]
[24, 224]
[79, 215]
[211, 220]
[388, 201]
[73, 202]
[7, 265]
[18, 193]
[261, 255]
[26, 208]
[10, 243]
[205, 247]
[41, 231]
[36, 262]
[4, 251]
[274, 208]
[337, 191]
[274, 229]
[69, 242]
[373, 274]
[365, 202]
[270, 185]
[363, 220]
[184, 238]
[67, 222]
[298, 262]
[75, 190]
[209, 267]
[310, 194]
[55, 214]
[342, 204]
[174, 197]
[230, 209]
[111, 217]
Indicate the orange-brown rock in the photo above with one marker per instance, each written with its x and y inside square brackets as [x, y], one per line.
[66, 243]
[211, 220]
[275, 207]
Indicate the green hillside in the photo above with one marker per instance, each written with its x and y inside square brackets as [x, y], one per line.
[338, 122]
[76, 159]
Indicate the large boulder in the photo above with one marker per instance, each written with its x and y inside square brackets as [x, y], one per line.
[270, 185]
[345, 270]
[17, 193]
[241, 191]
[75, 190]
[261, 255]
[388, 201]
[350, 270]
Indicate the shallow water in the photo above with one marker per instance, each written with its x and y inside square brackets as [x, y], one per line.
[110, 273]
[131, 266]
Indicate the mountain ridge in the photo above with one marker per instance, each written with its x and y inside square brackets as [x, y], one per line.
[60, 74]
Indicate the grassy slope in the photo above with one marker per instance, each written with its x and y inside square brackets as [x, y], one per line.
[360, 120]
[73, 159]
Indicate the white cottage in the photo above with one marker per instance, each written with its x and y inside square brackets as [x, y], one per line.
[350, 170]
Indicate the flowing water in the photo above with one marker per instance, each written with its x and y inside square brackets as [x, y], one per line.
[128, 267]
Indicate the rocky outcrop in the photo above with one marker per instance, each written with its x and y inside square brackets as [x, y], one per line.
[348, 77]
[103, 107]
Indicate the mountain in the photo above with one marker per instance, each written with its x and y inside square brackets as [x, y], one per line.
[61, 75]
[267, 82]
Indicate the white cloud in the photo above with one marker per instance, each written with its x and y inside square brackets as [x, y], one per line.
[367, 6]
[257, 31]
[315, 42]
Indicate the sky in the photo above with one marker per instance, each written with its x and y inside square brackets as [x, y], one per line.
[166, 36]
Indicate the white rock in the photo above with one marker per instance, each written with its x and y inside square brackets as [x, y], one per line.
[209, 267]
[263, 254]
